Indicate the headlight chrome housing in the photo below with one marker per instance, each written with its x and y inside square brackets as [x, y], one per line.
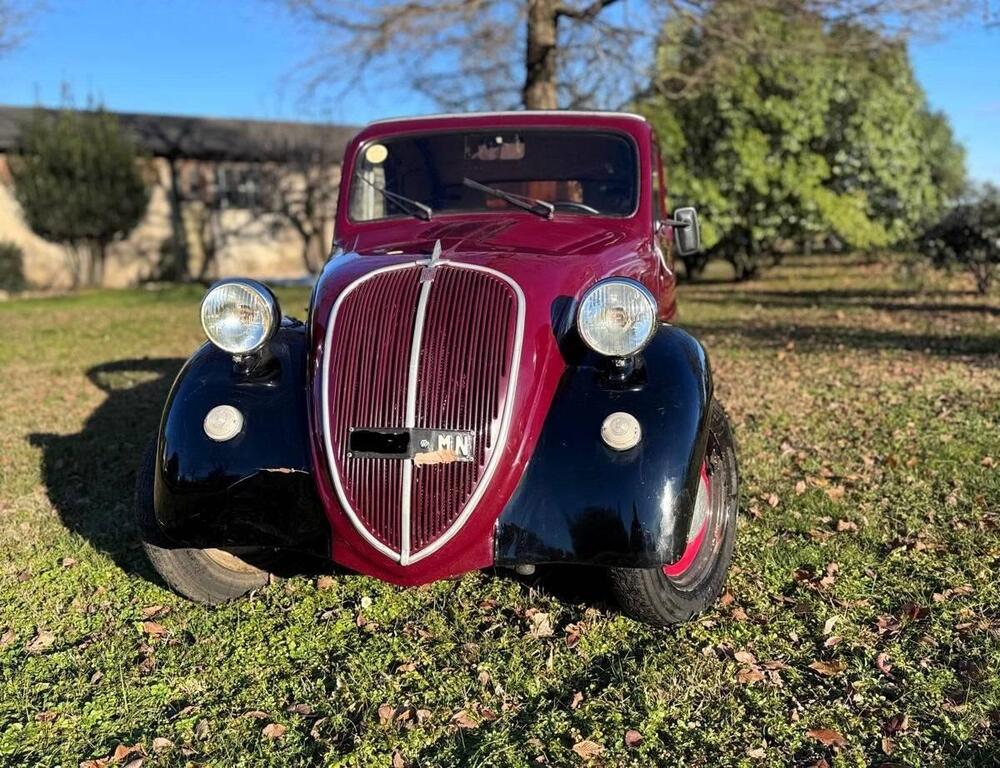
[240, 316]
[617, 317]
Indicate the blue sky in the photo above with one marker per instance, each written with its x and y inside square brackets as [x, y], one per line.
[239, 59]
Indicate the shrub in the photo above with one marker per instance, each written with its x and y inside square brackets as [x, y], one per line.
[78, 180]
[11, 268]
[969, 237]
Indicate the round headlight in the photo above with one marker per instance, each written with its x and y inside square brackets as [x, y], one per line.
[239, 316]
[617, 317]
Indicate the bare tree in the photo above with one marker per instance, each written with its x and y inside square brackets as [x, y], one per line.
[301, 193]
[13, 16]
[546, 54]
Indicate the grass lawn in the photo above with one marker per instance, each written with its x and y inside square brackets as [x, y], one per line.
[861, 624]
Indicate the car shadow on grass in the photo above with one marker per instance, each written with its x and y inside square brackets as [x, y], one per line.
[90, 475]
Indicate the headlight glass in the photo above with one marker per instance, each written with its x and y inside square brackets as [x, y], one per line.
[239, 316]
[617, 317]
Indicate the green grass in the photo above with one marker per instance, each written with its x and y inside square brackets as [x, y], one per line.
[866, 408]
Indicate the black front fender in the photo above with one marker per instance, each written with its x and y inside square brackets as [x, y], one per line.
[582, 502]
[258, 488]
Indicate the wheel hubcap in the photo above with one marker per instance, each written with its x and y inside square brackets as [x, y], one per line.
[704, 536]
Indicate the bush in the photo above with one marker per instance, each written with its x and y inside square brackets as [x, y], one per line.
[969, 237]
[78, 179]
[12, 268]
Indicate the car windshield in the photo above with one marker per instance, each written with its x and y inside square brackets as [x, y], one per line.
[576, 171]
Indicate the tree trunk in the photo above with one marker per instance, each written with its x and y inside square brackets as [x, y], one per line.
[313, 252]
[179, 235]
[95, 277]
[540, 63]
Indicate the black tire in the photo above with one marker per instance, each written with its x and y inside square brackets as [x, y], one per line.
[648, 594]
[206, 575]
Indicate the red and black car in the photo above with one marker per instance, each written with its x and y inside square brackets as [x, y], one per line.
[488, 377]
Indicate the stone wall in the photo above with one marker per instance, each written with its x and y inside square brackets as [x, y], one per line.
[260, 247]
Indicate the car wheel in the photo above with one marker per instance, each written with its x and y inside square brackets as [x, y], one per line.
[676, 592]
[205, 575]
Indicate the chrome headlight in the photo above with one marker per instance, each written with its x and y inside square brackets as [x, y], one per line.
[240, 316]
[617, 317]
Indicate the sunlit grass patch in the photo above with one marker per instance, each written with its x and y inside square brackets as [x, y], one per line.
[861, 623]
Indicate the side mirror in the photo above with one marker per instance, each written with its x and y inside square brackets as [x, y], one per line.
[687, 231]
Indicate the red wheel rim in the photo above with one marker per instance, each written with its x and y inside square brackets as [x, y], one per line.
[695, 543]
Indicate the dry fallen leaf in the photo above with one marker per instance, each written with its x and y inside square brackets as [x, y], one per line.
[42, 640]
[772, 499]
[385, 714]
[575, 701]
[155, 611]
[325, 582]
[828, 668]
[462, 720]
[160, 744]
[895, 724]
[914, 612]
[273, 731]
[397, 760]
[153, 629]
[541, 624]
[757, 754]
[745, 657]
[882, 662]
[68, 562]
[300, 709]
[846, 525]
[828, 626]
[836, 492]
[632, 738]
[827, 737]
[588, 749]
[124, 753]
[749, 675]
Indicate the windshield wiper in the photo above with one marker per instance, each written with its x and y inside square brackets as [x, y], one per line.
[411, 206]
[538, 207]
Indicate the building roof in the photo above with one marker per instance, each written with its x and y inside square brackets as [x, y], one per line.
[207, 138]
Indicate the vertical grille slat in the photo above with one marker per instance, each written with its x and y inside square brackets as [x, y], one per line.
[464, 365]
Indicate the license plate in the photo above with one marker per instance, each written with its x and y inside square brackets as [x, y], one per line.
[423, 446]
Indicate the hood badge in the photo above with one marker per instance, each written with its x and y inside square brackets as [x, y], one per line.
[427, 274]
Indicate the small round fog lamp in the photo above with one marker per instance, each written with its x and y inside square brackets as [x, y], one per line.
[223, 422]
[621, 431]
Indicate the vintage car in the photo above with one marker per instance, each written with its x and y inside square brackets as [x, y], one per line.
[488, 377]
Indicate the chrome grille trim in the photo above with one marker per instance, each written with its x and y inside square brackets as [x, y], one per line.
[404, 556]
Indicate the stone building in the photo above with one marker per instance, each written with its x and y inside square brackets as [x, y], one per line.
[229, 197]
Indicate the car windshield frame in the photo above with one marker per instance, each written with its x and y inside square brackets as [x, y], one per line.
[362, 148]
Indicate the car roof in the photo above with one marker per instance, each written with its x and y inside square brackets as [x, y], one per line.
[527, 115]
[626, 122]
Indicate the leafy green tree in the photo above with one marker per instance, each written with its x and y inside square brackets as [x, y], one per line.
[79, 181]
[811, 130]
[968, 236]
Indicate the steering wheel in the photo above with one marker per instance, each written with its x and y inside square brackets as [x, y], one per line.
[575, 206]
